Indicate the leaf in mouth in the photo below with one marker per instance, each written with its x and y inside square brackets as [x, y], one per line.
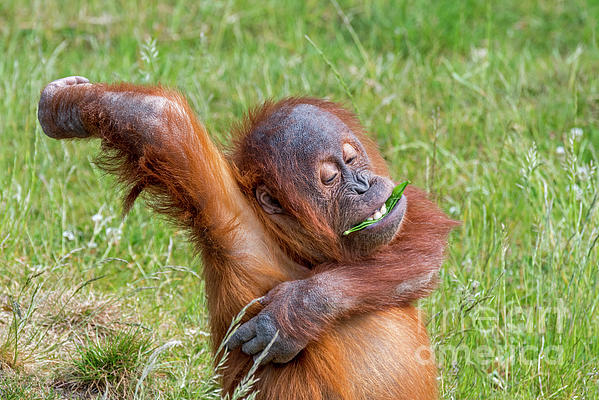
[390, 203]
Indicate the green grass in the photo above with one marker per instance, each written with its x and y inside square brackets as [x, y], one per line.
[492, 106]
[110, 366]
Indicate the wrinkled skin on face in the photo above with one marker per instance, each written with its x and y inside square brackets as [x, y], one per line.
[329, 169]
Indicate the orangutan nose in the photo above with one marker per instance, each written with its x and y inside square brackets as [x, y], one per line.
[361, 184]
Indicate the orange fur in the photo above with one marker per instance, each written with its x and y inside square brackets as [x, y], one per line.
[154, 144]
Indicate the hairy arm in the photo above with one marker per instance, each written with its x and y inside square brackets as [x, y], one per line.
[300, 311]
[400, 273]
[306, 307]
[153, 143]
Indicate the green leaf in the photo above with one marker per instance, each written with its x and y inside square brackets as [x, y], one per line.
[390, 203]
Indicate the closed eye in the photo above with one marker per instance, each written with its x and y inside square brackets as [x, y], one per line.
[328, 173]
[349, 153]
[330, 180]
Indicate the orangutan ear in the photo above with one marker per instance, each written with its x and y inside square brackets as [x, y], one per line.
[269, 204]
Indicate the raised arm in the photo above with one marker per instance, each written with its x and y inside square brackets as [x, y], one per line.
[152, 142]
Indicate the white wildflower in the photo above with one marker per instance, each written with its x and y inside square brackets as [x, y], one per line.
[576, 132]
[578, 192]
[68, 235]
[560, 150]
[479, 53]
[192, 332]
[584, 172]
[114, 234]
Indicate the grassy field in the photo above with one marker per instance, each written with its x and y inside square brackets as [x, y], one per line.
[491, 106]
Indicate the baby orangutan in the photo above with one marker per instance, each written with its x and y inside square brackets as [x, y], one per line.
[268, 217]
